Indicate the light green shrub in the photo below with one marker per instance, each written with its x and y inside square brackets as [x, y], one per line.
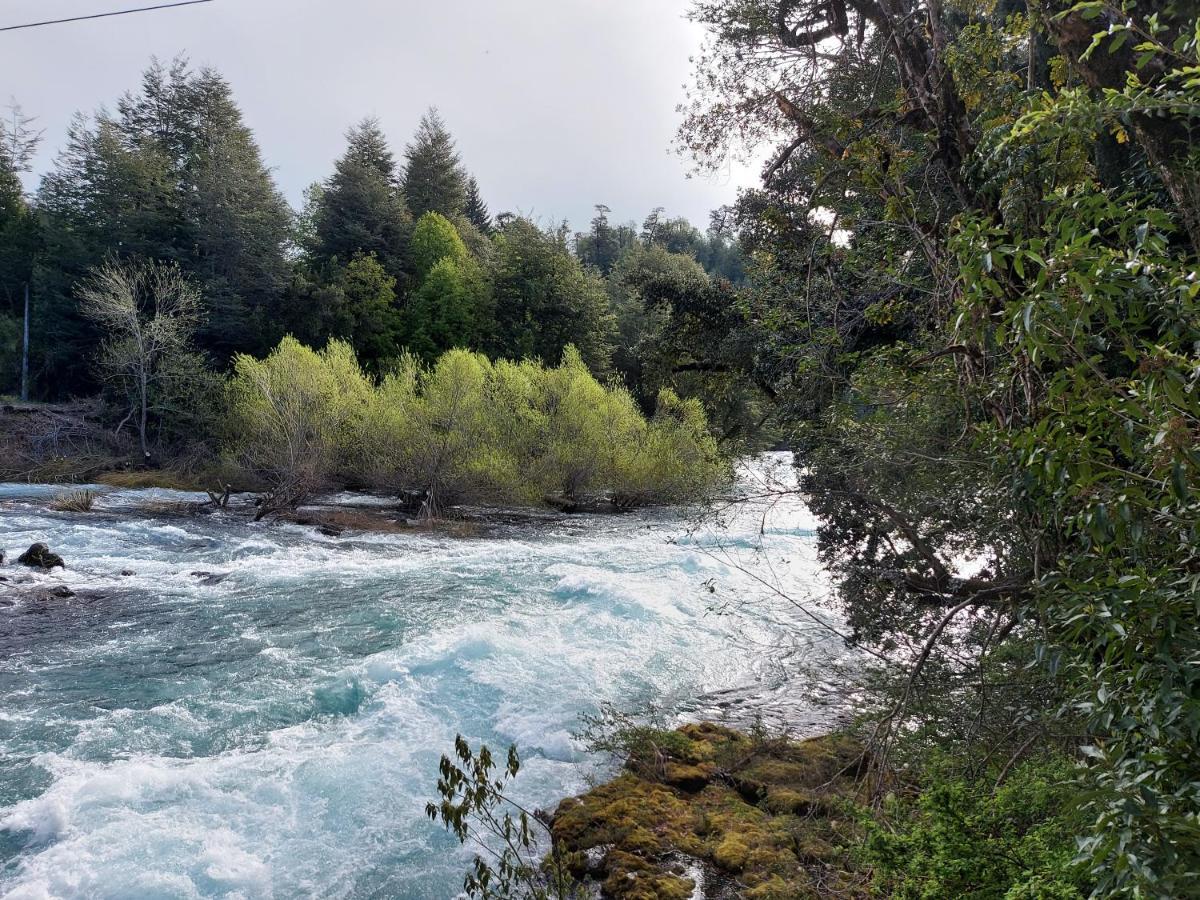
[677, 459]
[465, 429]
[293, 418]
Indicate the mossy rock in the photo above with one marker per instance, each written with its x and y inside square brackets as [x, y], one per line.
[732, 853]
[627, 812]
[762, 813]
[633, 877]
[688, 777]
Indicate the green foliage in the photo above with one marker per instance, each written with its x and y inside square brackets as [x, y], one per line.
[973, 297]
[544, 299]
[19, 242]
[447, 311]
[466, 428]
[1098, 308]
[475, 805]
[637, 742]
[680, 329]
[10, 353]
[294, 416]
[449, 308]
[961, 839]
[434, 180]
[434, 239]
[369, 317]
[173, 176]
[360, 210]
[476, 210]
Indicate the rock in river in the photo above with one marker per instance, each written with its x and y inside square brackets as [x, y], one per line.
[39, 557]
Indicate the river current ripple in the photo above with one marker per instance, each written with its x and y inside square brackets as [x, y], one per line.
[271, 727]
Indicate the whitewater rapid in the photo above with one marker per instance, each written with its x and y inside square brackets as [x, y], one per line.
[258, 710]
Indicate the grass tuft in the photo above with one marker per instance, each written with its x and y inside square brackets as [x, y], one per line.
[74, 501]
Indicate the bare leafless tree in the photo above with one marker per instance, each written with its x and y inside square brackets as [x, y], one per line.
[148, 311]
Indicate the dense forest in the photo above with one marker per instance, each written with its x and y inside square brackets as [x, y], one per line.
[975, 252]
[390, 254]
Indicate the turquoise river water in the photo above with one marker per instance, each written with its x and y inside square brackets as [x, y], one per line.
[258, 710]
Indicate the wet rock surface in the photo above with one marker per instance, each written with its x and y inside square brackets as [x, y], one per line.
[39, 556]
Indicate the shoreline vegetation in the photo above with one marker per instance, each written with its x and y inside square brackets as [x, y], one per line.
[705, 811]
[464, 430]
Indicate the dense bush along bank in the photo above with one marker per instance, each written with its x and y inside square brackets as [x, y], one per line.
[464, 428]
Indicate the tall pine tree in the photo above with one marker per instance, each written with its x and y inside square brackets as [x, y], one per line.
[176, 176]
[360, 209]
[434, 180]
[476, 210]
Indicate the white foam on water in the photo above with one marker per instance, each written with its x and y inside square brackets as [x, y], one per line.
[275, 730]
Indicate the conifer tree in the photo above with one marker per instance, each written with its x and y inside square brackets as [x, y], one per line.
[174, 176]
[370, 318]
[476, 211]
[434, 180]
[360, 209]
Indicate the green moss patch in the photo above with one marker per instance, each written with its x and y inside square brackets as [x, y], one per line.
[765, 814]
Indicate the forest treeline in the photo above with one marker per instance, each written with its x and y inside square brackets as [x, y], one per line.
[392, 253]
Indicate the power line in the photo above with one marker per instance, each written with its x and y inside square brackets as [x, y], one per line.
[119, 12]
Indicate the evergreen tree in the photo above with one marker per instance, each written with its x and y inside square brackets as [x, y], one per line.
[602, 247]
[174, 176]
[240, 222]
[369, 318]
[360, 209]
[434, 180]
[101, 196]
[477, 212]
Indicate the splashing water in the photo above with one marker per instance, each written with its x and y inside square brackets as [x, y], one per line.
[271, 726]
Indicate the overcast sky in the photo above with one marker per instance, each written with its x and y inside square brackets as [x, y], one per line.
[556, 104]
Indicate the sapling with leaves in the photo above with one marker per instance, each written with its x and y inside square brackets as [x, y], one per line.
[476, 806]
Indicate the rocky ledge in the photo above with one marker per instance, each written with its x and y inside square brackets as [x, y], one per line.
[706, 812]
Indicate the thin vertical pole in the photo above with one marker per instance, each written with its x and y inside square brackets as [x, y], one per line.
[25, 352]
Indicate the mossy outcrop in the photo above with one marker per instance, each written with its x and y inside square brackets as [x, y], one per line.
[754, 818]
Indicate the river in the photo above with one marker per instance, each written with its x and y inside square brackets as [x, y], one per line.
[258, 709]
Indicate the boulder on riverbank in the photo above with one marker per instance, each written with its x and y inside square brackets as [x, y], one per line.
[39, 557]
[710, 812]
